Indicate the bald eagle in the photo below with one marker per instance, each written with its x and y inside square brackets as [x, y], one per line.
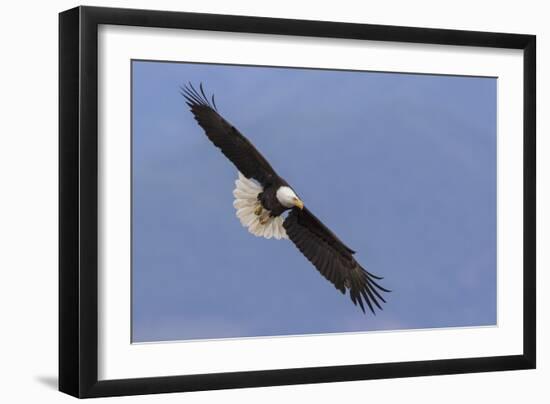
[262, 197]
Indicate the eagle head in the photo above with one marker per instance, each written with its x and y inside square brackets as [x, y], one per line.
[288, 198]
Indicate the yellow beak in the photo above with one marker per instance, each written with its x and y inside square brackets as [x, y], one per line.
[299, 204]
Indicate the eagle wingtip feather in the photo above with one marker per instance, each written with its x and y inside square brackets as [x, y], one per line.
[197, 98]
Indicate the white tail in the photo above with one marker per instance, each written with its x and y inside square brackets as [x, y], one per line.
[246, 202]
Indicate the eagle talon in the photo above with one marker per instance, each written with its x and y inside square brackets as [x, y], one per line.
[258, 210]
[264, 219]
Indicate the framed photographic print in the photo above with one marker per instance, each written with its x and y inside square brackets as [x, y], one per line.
[251, 201]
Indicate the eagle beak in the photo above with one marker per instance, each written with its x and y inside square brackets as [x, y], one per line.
[299, 204]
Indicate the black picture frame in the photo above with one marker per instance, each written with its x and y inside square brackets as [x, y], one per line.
[78, 201]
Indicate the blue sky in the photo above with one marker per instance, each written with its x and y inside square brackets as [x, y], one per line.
[401, 167]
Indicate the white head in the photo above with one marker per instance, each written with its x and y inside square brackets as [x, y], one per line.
[288, 198]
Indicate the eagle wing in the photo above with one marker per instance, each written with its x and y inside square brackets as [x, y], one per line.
[332, 258]
[227, 138]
